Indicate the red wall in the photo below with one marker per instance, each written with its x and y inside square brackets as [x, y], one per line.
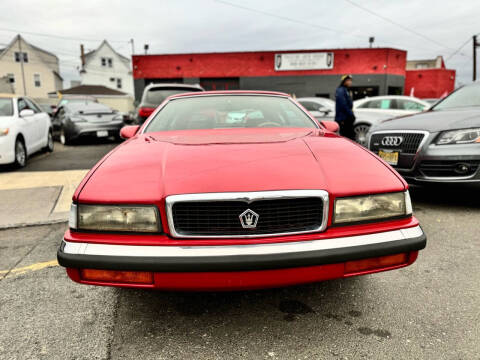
[261, 63]
[429, 83]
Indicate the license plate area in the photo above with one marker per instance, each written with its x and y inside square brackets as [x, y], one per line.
[102, 133]
[389, 156]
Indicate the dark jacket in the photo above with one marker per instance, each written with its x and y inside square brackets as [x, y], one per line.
[343, 105]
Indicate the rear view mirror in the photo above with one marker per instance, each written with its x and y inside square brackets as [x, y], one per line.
[330, 126]
[26, 113]
[128, 131]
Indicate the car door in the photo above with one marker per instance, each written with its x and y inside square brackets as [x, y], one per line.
[41, 124]
[26, 125]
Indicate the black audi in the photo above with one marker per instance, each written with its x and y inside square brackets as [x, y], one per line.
[441, 145]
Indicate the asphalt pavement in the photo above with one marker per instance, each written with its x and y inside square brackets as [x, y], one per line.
[430, 310]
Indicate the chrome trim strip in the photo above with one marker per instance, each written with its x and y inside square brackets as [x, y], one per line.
[247, 197]
[76, 248]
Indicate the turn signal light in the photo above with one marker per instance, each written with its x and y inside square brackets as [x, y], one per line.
[130, 277]
[375, 263]
[145, 111]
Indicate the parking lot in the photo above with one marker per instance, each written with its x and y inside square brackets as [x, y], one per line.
[430, 310]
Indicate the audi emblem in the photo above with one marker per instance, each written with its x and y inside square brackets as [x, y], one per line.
[392, 140]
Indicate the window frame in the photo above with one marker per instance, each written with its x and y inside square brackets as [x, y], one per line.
[35, 81]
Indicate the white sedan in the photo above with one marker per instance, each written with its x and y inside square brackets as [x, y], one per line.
[371, 111]
[24, 129]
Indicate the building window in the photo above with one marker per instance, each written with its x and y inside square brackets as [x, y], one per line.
[110, 62]
[36, 80]
[119, 83]
[20, 55]
[112, 79]
[11, 78]
[104, 62]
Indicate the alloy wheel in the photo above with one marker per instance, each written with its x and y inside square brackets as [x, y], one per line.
[20, 153]
[361, 132]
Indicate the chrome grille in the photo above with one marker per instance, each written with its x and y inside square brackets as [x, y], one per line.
[410, 144]
[218, 215]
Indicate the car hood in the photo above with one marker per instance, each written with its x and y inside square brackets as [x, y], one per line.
[434, 121]
[149, 167]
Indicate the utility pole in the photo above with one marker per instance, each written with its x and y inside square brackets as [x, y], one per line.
[133, 46]
[82, 58]
[21, 64]
[475, 45]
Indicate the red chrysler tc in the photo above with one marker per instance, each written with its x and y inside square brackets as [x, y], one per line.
[237, 190]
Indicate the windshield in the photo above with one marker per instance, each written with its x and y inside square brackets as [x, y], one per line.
[220, 112]
[6, 107]
[155, 96]
[464, 97]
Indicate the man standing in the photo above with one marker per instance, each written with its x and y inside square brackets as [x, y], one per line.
[343, 108]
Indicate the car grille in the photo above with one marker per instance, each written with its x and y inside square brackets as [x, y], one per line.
[449, 168]
[222, 218]
[409, 145]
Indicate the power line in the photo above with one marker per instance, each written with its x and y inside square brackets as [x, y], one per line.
[398, 24]
[285, 18]
[56, 36]
[460, 48]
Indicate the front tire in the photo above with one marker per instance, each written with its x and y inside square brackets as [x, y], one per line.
[64, 139]
[361, 131]
[20, 154]
[50, 143]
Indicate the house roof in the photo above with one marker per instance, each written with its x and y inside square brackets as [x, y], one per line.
[105, 42]
[90, 90]
[19, 37]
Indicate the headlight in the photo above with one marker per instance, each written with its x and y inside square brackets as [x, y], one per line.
[115, 218]
[372, 207]
[464, 136]
[118, 117]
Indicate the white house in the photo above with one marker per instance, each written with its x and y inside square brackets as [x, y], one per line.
[104, 66]
[30, 70]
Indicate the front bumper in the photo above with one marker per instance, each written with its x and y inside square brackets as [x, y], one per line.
[230, 267]
[7, 149]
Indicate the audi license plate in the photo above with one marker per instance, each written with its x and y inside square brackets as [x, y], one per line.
[389, 156]
[102, 133]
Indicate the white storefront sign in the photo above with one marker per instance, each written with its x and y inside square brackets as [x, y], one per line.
[304, 61]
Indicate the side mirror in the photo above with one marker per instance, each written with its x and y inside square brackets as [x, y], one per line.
[26, 113]
[128, 131]
[330, 126]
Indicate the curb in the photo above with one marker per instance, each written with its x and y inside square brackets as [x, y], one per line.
[38, 223]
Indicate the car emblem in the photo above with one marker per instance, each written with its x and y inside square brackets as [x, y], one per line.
[392, 140]
[249, 219]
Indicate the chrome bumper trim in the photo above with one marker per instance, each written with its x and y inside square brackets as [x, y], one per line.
[76, 248]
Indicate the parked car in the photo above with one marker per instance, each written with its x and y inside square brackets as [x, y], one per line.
[441, 145]
[371, 111]
[193, 202]
[85, 118]
[320, 108]
[24, 129]
[155, 94]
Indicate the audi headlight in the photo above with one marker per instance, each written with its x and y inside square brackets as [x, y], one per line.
[128, 218]
[372, 207]
[464, 136]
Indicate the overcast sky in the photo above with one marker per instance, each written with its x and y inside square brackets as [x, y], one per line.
[171, 26]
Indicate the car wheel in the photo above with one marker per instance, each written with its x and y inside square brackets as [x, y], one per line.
[361, 132]
[64, 140]
[49, 147]
[20, 153]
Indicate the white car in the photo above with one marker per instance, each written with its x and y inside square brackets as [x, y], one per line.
[24, 129]
[371, 111]
[320, 108]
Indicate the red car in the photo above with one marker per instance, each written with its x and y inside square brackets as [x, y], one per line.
[237, 190]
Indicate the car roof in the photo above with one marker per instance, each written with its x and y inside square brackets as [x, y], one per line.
[229, 92]
[172, 85]
[315, 99]
[389, 97]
